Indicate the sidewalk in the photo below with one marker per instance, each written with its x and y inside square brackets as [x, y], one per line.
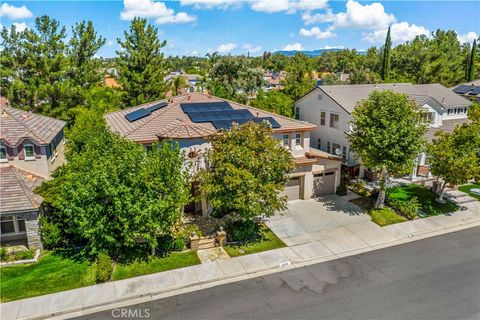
[336, 242]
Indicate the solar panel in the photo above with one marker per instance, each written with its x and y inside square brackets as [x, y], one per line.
[208, 116]
[463, 89]
[157, 106]
[227, 124]
[270, 120]
[475, 91]
[137, 114]
[205, 106]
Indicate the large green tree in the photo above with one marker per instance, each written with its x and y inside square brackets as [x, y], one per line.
[299, 79]
[387, 135]
[140, 63]
[113, 195]
[387, 47]
[246, 173]
[471, 62]
[274, 101]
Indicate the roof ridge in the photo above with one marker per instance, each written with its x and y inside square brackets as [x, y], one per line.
[6, 109]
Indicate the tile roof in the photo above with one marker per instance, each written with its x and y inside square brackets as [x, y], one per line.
[16, 125]
[172, 122]
[447, 125]
[16, 189]
[349, 95]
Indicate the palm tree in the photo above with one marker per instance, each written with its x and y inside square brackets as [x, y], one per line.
[178, 83]
[212, 58]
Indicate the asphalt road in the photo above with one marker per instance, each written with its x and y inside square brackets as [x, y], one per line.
[435, 278]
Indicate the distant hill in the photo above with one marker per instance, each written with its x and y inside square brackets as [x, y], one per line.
[313, 53]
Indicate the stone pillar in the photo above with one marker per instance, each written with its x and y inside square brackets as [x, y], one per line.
[194, 240]
[32, 230]
[221, 237]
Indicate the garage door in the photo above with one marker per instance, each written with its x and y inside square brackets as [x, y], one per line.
[292, 189]
[323, 183]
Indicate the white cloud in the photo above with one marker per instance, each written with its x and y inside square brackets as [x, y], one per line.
[20, 26]
[293, 47]
[400, 33]
[357, 16]
[226, 47]
[291, 6]
[153, 10]
[15, 13]
[194, 53]
[210, 4]
[317, 33]
[251, 48]
[308, 5]
[333, 47]
[467, 37]
[110, 43]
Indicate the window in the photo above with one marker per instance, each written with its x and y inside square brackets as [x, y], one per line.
[319, 97]
[298, 139]
[21, 225]
[7, 224]
[344, 153]
[335, 148]
[461, 110]
[328, 147]
[3, 154]
[319, 144]
[323, 118]
[297, 113]
[286, 140]
[29, 153]
[334, 120]
[428, 117]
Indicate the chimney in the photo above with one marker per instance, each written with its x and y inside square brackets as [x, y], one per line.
[444, 100]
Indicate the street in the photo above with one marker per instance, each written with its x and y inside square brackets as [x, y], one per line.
[434, 278]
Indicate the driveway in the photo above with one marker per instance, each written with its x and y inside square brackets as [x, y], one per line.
[333, 221]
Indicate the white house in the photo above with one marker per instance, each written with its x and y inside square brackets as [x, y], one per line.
[191, 118]
[330, 108]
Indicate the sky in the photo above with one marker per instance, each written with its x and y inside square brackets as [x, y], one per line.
[196, 27]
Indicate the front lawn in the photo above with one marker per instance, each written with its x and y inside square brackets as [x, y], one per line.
[425, 197]
[173, 260]
[52, 273]
[386, 216]
[466, 188]
[267, 241]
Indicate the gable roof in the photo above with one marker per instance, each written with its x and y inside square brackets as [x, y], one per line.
[171, 122]
[348, 96]
[16, 190]
[17, 125]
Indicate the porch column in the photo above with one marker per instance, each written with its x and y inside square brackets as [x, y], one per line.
[32, 229]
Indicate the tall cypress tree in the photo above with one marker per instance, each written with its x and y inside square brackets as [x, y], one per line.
[471, 61]
[385, 72]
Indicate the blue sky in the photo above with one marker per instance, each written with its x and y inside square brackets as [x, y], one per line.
[195, 27]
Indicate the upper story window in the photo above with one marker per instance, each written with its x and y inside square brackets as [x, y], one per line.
[344, 153]
[460, 110]
[29, 152]
[336, 149]
[334, 120]
[319, 144]
[323, 118]
[328, 147]
[3, 154]
[428, 117]
[286, 140]
[297, 113]
[298, 139]
[320, 97]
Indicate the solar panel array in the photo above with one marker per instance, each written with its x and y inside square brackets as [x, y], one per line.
[470, 89]
[137, 114]
[221, 114]
[157, 106]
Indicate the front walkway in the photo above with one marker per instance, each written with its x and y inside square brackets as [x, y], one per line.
[316, 231]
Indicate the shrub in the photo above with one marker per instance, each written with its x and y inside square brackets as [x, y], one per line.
[242, 230]
[3, 253]
[409, 208]
[342, 188]
[25, 254]
[104, 267]
[50, 233]
[359, 188]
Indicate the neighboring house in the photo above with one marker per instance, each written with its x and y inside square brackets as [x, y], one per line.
[190, 119]
[111, 82]
[193, 80]
[31, 147]
[469, 90]
[273, 81]
[330, 108]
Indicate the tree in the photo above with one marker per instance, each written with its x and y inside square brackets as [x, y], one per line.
[454, 157]
[247, 171]
[140, 63]
[471, 61]
[385, 72]
[274, 101]
[178, 83]
[387, 135]
[299, 78]
[113, 195]
[212, 59]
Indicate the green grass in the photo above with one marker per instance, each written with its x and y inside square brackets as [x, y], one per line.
[173, 260]
[425, 197]
[52, 273]
[267, 241]
[466, 188]
[385, 216]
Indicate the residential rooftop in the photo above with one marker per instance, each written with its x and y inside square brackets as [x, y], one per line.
[16, 190]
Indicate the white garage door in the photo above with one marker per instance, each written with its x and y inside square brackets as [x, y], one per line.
[323, 183]
[292, 189]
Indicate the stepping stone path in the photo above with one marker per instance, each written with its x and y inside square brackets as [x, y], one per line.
[212, 254]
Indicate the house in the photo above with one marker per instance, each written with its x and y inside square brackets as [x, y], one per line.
[193, 80]
[469, 90]
[31, 147]
[330, 108]
[191, 118]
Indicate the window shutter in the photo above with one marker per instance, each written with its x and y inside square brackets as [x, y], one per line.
[38, 152]
[21, 152]
[10, 155]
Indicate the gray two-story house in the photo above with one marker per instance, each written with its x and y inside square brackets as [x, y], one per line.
[31, 147]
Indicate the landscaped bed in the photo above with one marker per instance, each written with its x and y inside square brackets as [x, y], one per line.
[266, 241]
[466, 188]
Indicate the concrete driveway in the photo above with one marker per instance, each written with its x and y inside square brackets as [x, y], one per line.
[332, 220]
